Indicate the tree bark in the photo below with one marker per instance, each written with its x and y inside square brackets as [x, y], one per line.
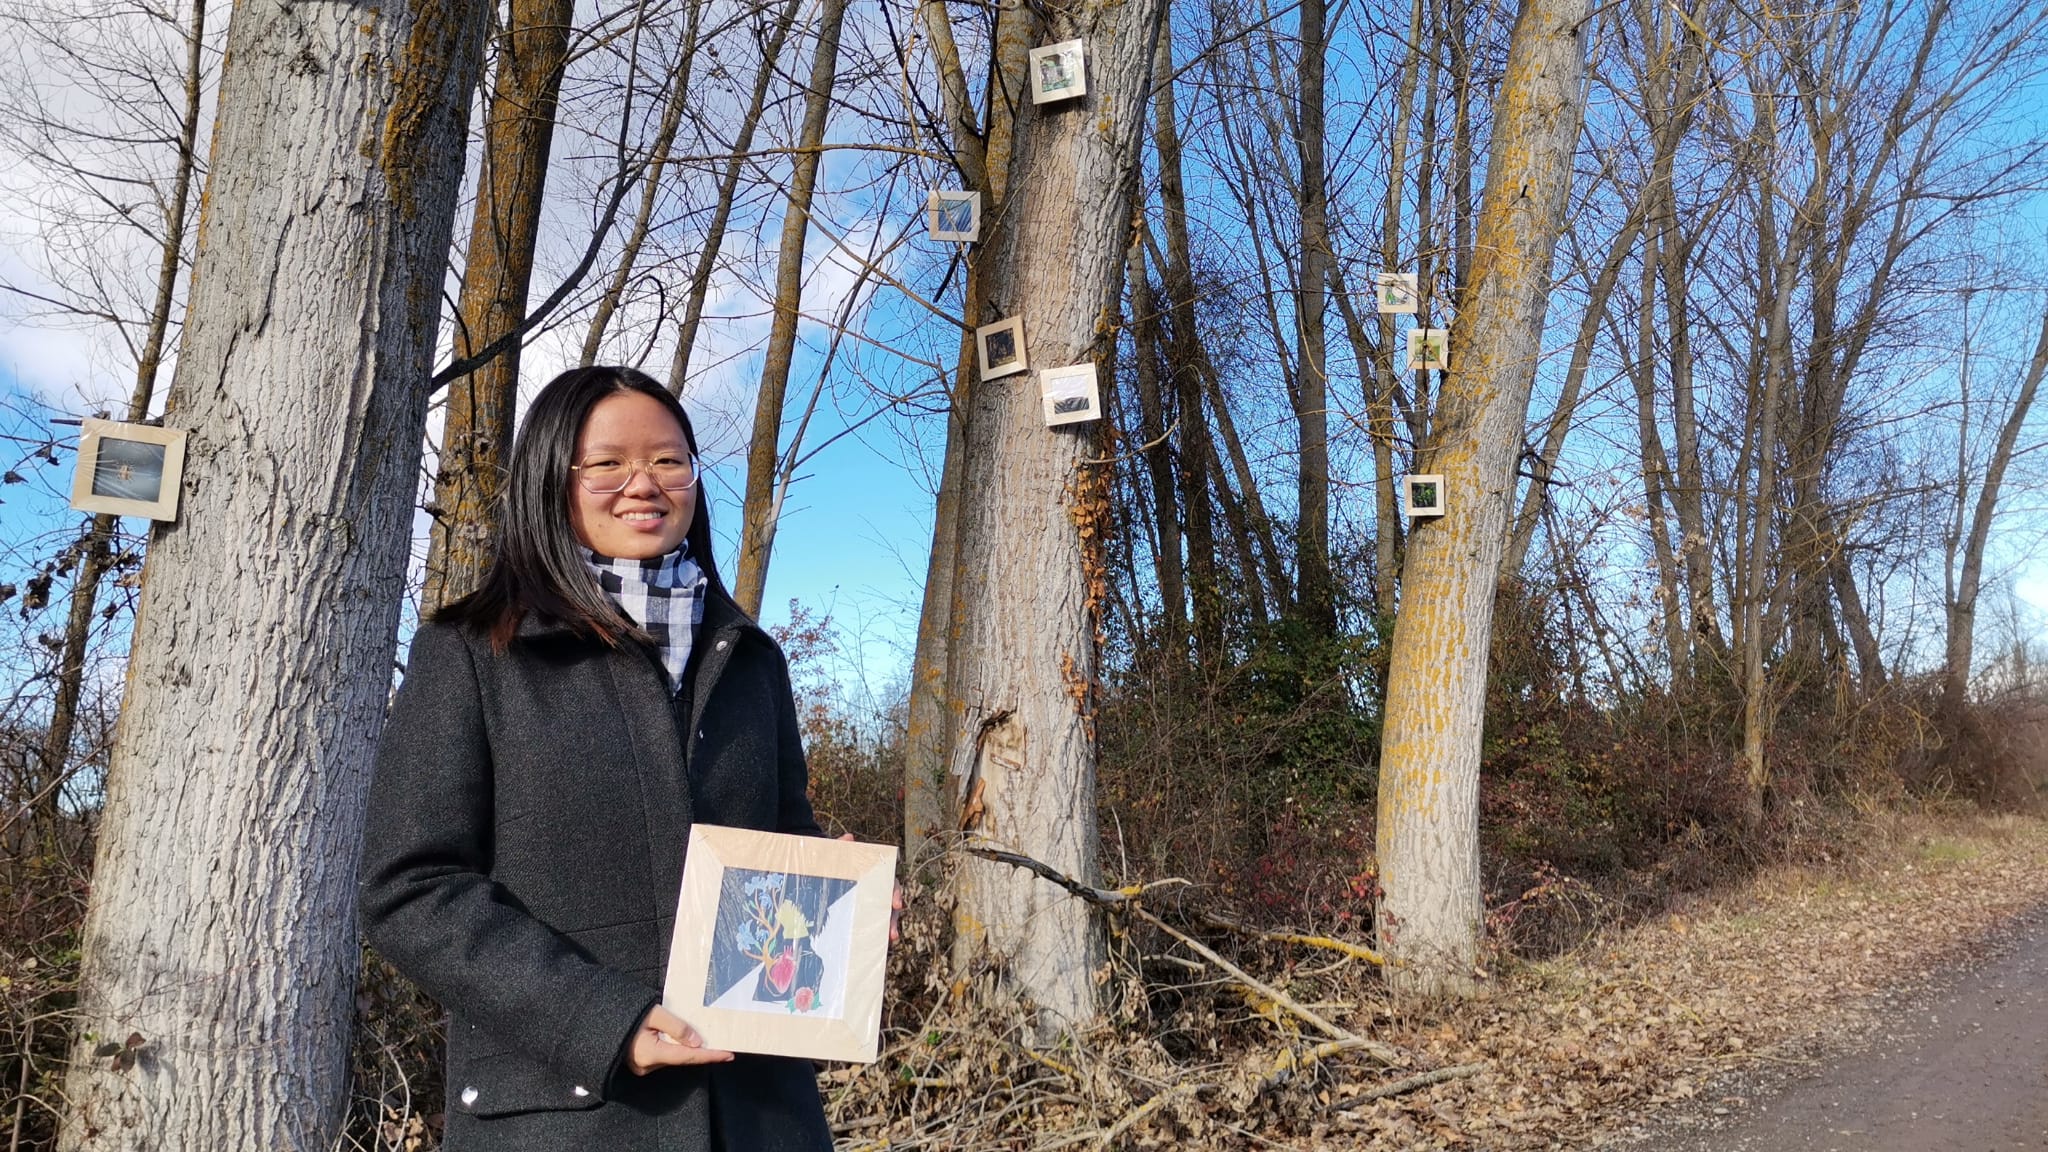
[1022, 666]
[1654, 469]
[56, 753]
[221, 927]
[761, 506]
[1429, 913]
[476, 433]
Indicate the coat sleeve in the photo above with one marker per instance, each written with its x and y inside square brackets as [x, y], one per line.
[793, 774]
[430, 906]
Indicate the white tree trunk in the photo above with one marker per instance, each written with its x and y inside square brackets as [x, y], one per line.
[1429, 915]
[221, 927]
[1022, 650]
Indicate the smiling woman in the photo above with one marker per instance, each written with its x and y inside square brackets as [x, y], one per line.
[557, 733]
[636, 479]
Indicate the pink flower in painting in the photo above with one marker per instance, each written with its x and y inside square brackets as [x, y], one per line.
[805, 999]
[783, 971]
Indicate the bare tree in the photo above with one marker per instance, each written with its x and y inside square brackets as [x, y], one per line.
[763, 507]
[476, 436]
[221, 933]
[1032, 514]
[1428, 918]
[41, 136]
[1962, 601]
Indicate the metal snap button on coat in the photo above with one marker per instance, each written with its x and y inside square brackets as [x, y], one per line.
[720, 645]
[580, 1090]
[468, 1097]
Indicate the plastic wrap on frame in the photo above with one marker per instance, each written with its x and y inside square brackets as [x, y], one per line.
[782, 943]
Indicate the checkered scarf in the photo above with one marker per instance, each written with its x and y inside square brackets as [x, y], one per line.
[657, 593]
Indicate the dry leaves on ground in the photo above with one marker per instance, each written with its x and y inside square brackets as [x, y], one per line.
[1568, 1049]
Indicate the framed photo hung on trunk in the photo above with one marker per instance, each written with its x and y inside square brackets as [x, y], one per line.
[1069, 394]
[951, 215]
[128, 469]
[1422, 495]
[1001, 347]
[1059, 71]
[781, 943]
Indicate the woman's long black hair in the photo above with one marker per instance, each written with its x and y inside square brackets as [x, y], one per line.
[537, 563]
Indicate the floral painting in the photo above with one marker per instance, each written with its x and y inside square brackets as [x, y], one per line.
[781, 943]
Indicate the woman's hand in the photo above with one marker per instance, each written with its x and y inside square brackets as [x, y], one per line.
[895, 903]
[664, 1040]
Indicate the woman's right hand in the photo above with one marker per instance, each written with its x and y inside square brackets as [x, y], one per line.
[663, 1039]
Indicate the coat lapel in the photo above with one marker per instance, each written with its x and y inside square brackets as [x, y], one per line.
[723, 625]
[657, 754]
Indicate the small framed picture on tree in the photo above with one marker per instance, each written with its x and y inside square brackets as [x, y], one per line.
[1397, 293]
[953, 215]
[1059, 71]
[1001, 348]
[1070, 394]
[128, 469]
[1422, 495]
[1429, 348]
[781, 943]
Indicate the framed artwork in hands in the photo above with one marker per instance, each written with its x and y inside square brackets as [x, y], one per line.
[781, 943]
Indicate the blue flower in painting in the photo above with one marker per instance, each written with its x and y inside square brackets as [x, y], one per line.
[749, 937]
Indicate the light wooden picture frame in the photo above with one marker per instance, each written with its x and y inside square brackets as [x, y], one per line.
[1059, 71]
[1429, 348]
[1070, 394]
[1000, 348]
[782, 943]
[1422, 495]
[952, 215]
[128, 469]
[1397, 293]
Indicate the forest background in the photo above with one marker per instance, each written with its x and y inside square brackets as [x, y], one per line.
[1775, 557]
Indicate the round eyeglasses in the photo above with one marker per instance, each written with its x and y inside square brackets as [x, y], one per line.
[604, 475]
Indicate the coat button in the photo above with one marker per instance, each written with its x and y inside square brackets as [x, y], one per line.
[581, 1090]
[720, 645]
[468, 1097]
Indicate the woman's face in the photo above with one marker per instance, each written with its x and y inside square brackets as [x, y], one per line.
[643, 520]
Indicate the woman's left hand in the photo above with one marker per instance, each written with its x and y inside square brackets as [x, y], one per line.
[895, 903]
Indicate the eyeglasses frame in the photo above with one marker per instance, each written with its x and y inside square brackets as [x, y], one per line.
[637, 466]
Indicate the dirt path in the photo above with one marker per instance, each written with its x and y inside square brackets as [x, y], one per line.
[1896, 1002]
[1962, 1070]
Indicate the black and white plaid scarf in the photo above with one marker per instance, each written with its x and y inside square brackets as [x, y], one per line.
[658, 594]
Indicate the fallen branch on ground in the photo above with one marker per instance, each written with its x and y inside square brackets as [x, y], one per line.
[1127, 899]
[1386, 1053]
[1138, 1114]
[1291, 1061]
[1329, 943]
[1398, 1087]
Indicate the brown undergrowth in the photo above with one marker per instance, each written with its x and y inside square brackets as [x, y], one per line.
[1553, 1054]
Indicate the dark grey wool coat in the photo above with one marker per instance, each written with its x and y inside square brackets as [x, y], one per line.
[524, 850]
